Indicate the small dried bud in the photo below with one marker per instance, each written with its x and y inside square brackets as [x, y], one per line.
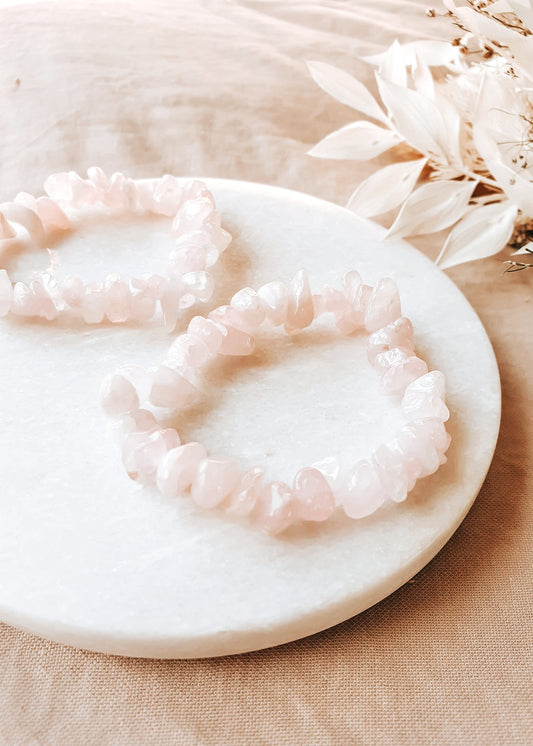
[470, 43]
[430, 12]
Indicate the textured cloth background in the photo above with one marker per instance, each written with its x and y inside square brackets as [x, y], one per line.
[219, 88]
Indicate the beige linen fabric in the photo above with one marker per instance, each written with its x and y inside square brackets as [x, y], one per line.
[219, 88]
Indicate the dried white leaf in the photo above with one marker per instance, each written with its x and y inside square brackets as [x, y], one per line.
[431, 53]
[515, 185]
[483, 232]
[392, 67]
[433, 207]
[450, 5]
[452, 125]
[359, 141]
[422, 78]
[527, 248]
[416, 117]
[485, 144]
[346, 89]
[386, 189]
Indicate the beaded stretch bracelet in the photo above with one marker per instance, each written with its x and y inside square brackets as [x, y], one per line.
[152, 454]
[194, 223]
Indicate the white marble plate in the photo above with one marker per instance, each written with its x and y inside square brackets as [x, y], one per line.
[91, 559]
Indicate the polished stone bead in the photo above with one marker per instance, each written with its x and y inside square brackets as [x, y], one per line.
[171, 389]
[214, 481]
[313, 498]
[178, 468]
[300, 311]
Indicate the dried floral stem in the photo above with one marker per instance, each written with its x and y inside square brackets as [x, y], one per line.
[479, 114]
[517, 266]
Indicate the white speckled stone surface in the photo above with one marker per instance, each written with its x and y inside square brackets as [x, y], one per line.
[91, 559]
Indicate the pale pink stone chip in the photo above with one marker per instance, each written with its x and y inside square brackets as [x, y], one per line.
[84, 191]
[274, 508]
[313, 498]
[58, 187]
[178, 468]
[331, 469]
[394, 357]
[331, 300]
[27, 199]
[199, 284]
[229, 316]
[425, 442]
[170, 295]
[208, 331]
[348, 306]
[93, 303]
[192, 258]
[215, 233]
[117, 299]
[235, 341]
[137, 420]
[97, 177]
[192, 215]
[48, 211]
[120, 193]
[47, 307]
[198, 241]
[363, 492]
[250, 305]
[244, 498]
[300, 312]
[142, 453]
[397, 334]
[433, 429]
[72, 290]
[358, 297]
[400, 459]
[6, 293]
[142, 305]
[276, 297]
[391, 466]
[24, 302]
[214, 481]
[6, 229]
[424, 397]
[167, 196]
[195, 188]
[188, 352]
[51, 214]
[170, 389]
[118, 395]
[402, 370]
[384, 305]
[28, 219]
[220, 238]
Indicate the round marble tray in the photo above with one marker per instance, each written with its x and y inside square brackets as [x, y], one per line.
[91, 559]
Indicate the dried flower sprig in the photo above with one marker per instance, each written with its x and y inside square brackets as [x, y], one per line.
[462, 113]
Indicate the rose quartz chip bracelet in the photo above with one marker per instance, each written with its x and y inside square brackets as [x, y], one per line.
[155, 455]
[194, 223]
